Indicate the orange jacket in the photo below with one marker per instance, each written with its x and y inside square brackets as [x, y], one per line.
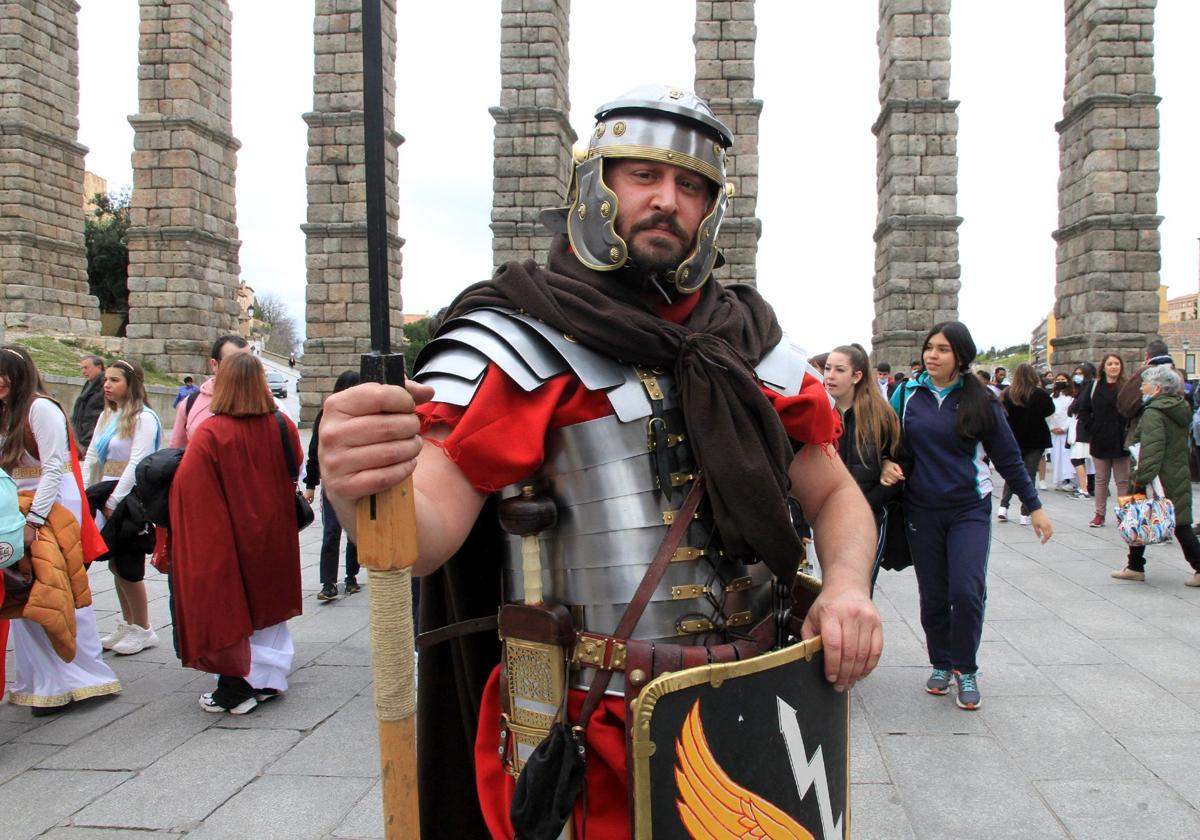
[60, 584]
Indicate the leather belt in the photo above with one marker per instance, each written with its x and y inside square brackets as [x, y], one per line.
[114, 469]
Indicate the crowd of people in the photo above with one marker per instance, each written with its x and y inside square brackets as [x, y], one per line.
[92, 487]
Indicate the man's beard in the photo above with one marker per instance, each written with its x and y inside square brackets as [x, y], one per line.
[664, 258]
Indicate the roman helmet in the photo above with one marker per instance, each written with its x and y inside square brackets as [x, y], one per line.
[658, 123]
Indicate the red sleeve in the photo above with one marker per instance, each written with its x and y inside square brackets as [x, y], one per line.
[809, 417]
[500, 438]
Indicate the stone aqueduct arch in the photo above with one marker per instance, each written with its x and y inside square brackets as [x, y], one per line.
[184, 242]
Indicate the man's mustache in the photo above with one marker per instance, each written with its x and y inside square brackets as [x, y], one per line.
[660, 220]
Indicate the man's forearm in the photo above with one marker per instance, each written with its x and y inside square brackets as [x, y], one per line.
[845, 535]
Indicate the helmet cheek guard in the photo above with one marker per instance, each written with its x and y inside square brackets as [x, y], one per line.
[591, 219]
[698, 266]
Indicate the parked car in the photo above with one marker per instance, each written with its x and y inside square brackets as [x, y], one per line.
[278, 383]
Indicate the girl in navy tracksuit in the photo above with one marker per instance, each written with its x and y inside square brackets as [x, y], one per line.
[950, 422]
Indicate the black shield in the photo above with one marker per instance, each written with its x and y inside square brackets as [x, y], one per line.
[719, 750]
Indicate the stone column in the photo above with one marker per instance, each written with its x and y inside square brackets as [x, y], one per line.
[1106, 290]
[43, 263]
[183, 238]
[916, 231]
[533, 135]
[337, 308]
[724, 40]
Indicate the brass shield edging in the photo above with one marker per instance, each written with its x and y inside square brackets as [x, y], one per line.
[642, 710]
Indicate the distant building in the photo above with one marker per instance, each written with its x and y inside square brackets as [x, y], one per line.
[92, 184]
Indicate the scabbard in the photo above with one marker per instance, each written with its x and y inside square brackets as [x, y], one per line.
[537, 640]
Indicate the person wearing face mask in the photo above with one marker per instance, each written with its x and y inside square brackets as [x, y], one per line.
[1084, 380]
[870, 430]
[1161, 437]
[1062, 471]
[949, 422]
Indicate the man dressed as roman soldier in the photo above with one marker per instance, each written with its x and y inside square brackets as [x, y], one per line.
[637, 431]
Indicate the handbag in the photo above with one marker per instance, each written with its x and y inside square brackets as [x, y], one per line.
[1146, 519]
[304, 511]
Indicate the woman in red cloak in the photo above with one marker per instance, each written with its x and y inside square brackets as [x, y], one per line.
[235, 549]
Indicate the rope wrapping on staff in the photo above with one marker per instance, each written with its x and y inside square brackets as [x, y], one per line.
[390, 595]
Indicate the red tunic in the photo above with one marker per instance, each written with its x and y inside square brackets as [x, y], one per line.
[235, 550]
[499, 439]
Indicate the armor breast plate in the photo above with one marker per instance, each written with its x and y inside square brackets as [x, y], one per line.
[617, 482]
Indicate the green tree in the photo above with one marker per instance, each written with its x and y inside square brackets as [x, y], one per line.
[416, 336]
[106, 236]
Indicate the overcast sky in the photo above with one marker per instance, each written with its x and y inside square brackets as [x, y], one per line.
[817, 74]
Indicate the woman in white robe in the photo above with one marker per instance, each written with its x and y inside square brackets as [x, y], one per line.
[44, 682]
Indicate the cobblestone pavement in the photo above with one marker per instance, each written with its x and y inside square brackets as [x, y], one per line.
[1090, 726]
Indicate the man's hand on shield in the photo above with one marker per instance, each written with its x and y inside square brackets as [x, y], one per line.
[850, 630]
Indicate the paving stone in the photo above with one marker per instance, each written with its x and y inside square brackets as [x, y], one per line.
[78, 720]
[1124, 701]
[1169, 662]
[183, 787]
[1104, 620]
[1052, 642]
[365, 820]
[901, 646]
[16, 758]
[314, 694]
[1141, 810]
[993, 800]
[138, 739]
[325, 751]
[877, 812]
[284, 808]
[131, 668]
[70, 832]
[355, 650]
[337, 622]
[39, 799]
[12, 729]
[1185, 627]
[1052, 738]
[1175, 759]
[159, 682]
[866, 763]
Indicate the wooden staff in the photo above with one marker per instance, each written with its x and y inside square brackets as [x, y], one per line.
[387, 536]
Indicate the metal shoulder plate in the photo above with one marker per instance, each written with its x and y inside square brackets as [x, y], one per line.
[783, 368]
[529, 351]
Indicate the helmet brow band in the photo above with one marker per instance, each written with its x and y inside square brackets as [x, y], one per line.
[664, 156]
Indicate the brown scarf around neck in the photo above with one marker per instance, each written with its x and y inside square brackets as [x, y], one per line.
[737, 437]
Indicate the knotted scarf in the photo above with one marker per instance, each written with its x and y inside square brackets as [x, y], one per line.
[737, 437]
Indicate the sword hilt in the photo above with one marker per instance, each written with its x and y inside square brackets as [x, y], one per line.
[526, 516]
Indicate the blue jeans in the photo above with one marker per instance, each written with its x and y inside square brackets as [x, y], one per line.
[331, 543]
[950, 550]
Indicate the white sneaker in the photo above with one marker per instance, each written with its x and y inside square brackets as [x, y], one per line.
[116, 635]
[1041, 484]
[1024, 520]
[136, 640]
[1002, 514]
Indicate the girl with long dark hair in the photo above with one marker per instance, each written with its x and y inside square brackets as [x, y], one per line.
[37, 450]
[950, 422]
[1026, 406]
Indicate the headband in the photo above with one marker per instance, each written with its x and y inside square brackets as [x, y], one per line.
[124, 365]
[14, 352]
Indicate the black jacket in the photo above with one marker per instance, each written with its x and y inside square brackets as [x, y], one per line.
[1028, 422]
[866, 470]
[1082, 412]
[1106, 425]
[312, 472]
[87, 409]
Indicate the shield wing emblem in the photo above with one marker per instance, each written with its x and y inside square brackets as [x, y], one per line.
[741, 750]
